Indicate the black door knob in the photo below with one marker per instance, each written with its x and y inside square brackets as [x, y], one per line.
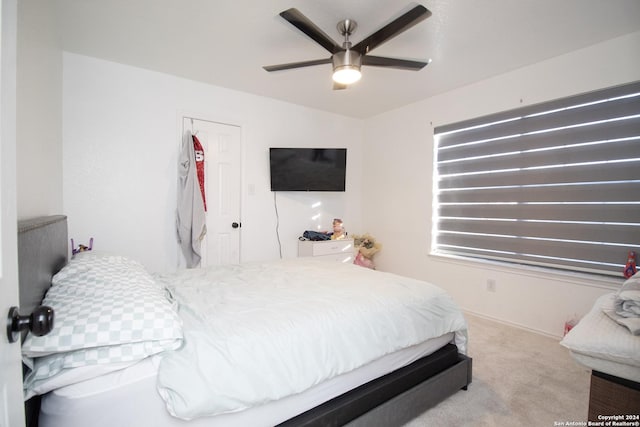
[236, 225]
[40, 322]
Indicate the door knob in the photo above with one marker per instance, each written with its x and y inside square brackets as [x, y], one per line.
[40, 322]
[236, 224]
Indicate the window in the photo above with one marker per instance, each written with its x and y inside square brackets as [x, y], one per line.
[555, 184]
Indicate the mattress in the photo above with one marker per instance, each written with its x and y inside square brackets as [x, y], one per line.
[129, 397]
[620, 370]
[601, 344]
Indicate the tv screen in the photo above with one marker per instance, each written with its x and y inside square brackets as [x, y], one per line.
[308, 169]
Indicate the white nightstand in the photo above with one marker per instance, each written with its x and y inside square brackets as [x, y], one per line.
[328, 250]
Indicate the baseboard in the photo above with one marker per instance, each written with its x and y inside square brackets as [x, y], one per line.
[512, 324]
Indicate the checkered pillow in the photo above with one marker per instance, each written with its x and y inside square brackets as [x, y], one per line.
[107, 310]
[99, 262]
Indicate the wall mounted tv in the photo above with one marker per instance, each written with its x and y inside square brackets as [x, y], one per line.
[308, 169]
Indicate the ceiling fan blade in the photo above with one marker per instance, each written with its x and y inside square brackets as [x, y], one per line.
[339, 86]
[403, 64]
[397, 26]
[301, 22]
[301, 64]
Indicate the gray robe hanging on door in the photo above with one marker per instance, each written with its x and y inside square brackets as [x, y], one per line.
[191, 219]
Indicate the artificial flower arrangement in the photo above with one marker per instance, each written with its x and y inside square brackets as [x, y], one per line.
[367, 247]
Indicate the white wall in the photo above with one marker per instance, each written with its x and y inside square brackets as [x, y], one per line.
[121, 133]
[397, 203]
[38, 111]
[120, 148]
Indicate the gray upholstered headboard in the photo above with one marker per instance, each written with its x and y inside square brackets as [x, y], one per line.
[43, 249]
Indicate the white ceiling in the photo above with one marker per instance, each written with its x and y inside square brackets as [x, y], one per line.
[226, 43]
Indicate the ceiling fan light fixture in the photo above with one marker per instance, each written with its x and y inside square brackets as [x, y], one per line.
[346, 75]
[346, 67]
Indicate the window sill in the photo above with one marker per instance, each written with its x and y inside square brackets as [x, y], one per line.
[573, 277]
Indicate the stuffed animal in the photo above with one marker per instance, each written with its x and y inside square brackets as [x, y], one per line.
[81, 248]
[630, 269]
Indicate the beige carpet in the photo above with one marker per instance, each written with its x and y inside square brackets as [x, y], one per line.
[520, 378]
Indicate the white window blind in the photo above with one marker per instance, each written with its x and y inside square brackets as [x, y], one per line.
[554, 184]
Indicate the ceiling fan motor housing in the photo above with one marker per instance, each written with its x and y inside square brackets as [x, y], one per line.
[346, 58]
[346, 67]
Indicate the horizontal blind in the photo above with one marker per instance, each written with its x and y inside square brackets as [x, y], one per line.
[554, 184]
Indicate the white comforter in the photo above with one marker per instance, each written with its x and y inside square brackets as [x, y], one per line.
[258, 332]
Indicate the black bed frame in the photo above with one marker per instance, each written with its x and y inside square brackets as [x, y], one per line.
[396, 398]
[391, 400]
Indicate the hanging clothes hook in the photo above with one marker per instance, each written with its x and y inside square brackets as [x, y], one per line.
[193, 132]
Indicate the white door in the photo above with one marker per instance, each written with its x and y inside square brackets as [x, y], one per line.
[11, 402]
[222, 156]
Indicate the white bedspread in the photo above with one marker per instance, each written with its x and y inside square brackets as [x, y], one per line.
[261, 331]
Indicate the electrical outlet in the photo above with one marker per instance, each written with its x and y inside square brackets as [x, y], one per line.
[491, 285]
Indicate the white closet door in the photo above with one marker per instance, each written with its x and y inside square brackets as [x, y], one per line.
[222, 147]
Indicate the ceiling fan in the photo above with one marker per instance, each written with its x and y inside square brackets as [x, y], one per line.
[347, 58]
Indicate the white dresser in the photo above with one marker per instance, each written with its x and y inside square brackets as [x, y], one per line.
[328, 250]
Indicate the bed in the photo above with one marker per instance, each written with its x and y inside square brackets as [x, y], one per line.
[138, 378]
[612, 352]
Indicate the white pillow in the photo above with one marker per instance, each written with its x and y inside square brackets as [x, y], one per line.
[108, 310]
[71, 376]
[596, 335]
[97, 260]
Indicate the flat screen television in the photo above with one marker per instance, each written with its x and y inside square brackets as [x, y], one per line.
[308, 169]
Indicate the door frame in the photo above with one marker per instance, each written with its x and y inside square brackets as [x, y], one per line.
[11, 398]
